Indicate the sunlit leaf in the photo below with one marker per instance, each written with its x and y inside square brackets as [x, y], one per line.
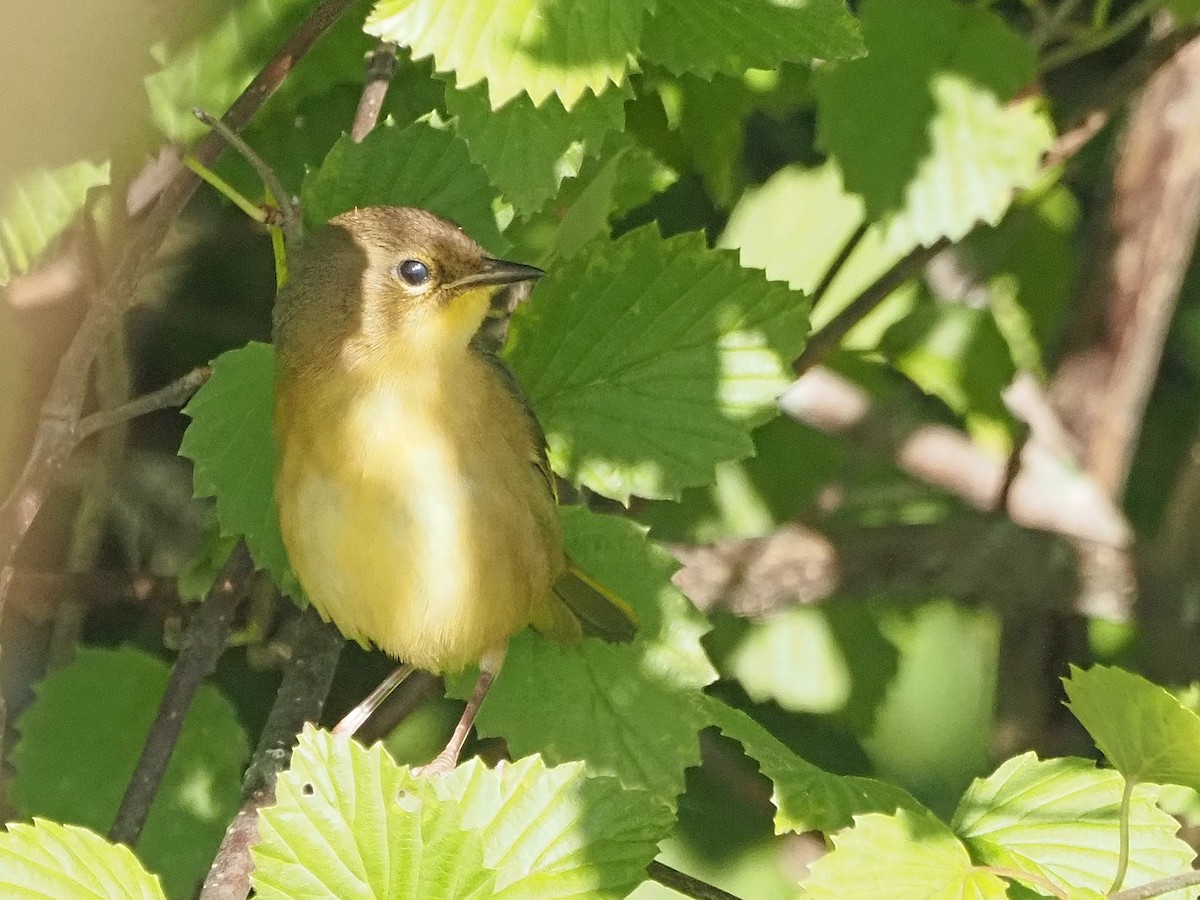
[1143, 729]
[1058, 818]
[649, 360]
[46, 859]
[349, 822]
[925, 126]
[908, 856]
[564, 47]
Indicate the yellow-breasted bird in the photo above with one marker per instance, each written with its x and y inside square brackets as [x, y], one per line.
[415, 499]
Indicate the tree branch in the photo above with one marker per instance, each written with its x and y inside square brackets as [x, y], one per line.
[381, 66]
[1158, 888]
[685, 884]
[301, 697]
[61, 411]
[203, 643]
[821, 343]
[174, 394]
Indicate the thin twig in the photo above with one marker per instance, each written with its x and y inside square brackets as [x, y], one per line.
[291, 216]
[1159, 887]
[381, 66]
[203, 643]
[821, 343]
[174, 394]
[685, 884]
[61, 411]
[839, 262]
[302, 692]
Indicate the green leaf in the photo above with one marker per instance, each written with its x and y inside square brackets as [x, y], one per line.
[829, 658]
[956, 353]
[649, 360]
[625, 710]
[553, 833]
[46, 859]
[527, 150]
[36, 206]
[731, 36]
[1143, 729]
[624, 175]
[908, 856]
[1058, 818]
[232, 446]
[925, 127]
[349, 822]
[564, 47]
[805, 797]
[770, 231]
[414, 166]
[73, 765]
[340, 827]
[212, 70]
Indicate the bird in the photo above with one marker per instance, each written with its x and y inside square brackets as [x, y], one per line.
[415, 499]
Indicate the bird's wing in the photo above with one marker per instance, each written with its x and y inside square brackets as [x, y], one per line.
[505, 376]
[599, 611]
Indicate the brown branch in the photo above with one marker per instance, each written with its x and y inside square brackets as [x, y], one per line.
[821, 343]
[174, 394]
[63, 406]
[381, 66]
[301, 697]
[1105, 381]
[685, 884]
[203, 643]
[839, 262]
[1159, 887]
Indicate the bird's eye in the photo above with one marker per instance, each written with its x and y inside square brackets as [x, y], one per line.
[413, 272]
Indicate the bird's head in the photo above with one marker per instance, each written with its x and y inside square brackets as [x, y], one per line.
[396, 277]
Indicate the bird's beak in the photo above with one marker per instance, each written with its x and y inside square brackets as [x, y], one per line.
[498, 272]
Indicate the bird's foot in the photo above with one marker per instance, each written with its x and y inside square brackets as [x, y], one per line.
[443, 765]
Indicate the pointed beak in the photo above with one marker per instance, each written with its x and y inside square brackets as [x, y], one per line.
[498, 272]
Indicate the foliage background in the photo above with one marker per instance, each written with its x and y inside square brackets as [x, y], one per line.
[871, 604]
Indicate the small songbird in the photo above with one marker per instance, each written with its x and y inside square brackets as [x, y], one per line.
[415, 499]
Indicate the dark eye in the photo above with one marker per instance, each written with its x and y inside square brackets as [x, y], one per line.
[413, 272]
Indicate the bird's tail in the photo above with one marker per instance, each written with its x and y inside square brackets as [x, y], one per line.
[600, 612]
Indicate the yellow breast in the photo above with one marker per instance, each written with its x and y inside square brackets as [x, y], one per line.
[410, 509]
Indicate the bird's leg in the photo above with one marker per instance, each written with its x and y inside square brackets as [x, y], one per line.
[354, 719]
[489, 667]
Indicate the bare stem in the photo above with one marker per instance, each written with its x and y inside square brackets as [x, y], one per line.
[685, 884]
[174, 394]
[1123, 853]
[292, 226]
[302, 692]
[381, 66]
[203, 644]
[1159, 887]
[839, 262]
[821, 343]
